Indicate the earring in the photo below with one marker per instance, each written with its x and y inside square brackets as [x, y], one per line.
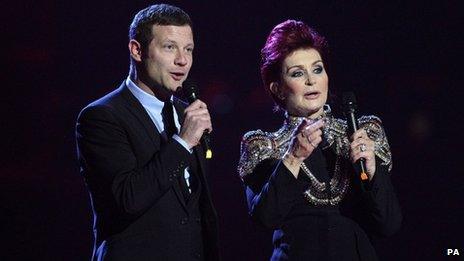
[326, 108]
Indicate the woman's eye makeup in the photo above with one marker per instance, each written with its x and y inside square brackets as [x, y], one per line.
[297, 73]
[318, 69]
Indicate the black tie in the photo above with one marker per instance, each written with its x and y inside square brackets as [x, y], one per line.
[168, 120]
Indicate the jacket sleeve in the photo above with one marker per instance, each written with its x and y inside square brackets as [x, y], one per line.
[107, 159]
[380, 208]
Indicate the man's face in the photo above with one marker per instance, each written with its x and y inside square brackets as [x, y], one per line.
[168, 58]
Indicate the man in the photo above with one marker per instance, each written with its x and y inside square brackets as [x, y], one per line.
[139, 152]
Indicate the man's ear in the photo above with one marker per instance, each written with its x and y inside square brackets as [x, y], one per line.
[135, 50]
[274, 88]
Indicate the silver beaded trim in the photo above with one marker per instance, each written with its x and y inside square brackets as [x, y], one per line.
[258, 145]
[319, 194]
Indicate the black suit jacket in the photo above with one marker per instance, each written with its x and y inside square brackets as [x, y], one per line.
[139, 209]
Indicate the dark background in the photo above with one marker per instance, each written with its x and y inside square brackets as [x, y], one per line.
[401, 58]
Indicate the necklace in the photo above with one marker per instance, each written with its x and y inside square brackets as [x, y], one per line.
[319, 194]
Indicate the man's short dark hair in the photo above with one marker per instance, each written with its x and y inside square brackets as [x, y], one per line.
[160, 14]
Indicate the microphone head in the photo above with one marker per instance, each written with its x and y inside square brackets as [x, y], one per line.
[349, 101]
[189, 90]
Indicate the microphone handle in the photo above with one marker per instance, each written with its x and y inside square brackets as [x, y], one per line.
[205, 138]
[205, 141]
[353, 126]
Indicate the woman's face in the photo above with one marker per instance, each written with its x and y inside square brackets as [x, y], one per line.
[304, 83]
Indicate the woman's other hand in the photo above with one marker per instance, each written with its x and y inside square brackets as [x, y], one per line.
[305, 139]
[363, 147]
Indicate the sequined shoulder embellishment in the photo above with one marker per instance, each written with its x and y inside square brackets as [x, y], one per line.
[256, 146]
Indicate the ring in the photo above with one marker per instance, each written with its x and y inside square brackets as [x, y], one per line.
[362, 147]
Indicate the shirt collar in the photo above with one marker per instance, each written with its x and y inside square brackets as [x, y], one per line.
[146, 99]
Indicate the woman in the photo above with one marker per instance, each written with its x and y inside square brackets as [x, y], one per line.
[300, 179]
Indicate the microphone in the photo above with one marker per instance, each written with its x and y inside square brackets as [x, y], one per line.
[190, 92]
[349, 104]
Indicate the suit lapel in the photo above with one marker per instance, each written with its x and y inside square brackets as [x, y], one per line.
[180, 107]
[136, 108]
[206, 202]
[200, 156]
[199, 153]
[141, 114]
[180, 196]
[180, 115]
[197, 150]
